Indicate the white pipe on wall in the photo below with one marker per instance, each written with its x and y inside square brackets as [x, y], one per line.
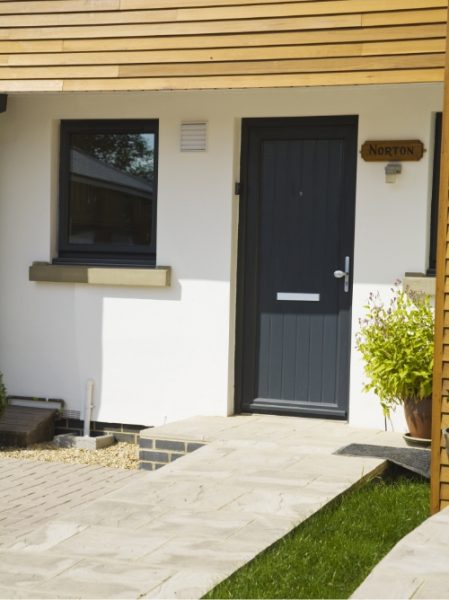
[89, 404]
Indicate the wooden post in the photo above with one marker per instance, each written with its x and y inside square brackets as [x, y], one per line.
[440, 405]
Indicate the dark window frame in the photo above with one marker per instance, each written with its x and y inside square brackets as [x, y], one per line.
[435, 196]
[98, 253]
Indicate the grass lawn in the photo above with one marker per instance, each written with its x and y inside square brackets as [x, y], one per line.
[331, 553]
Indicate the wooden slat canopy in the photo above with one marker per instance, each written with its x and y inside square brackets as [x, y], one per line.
[77, 45]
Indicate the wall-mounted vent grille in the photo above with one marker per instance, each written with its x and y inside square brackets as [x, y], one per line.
[71, 414]
[194, 136]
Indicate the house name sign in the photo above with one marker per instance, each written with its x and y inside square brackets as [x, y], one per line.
[392, 150]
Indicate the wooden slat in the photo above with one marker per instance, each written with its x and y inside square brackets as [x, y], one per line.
[32, 46]
[39, 85]
[237, 68]
[73, 6]
[444, 474]
[446, 287]
[176, 13]
[292, 66]
[224, 54]
[235, 82]
[209, 55]
[444, 490]
[408, 36]
[188, 28]
[225, 26]
[58, 72]
[141, 4]
[329, 36]
[56, 6]
[418, 46]
[445, 370]
[439, 472]
[396, 18]
[226, 82]
[308, 8]
[444, 405]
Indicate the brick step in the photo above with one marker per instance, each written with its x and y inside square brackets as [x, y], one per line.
[23, 425]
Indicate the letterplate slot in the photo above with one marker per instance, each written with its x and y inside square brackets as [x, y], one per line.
[294, 297]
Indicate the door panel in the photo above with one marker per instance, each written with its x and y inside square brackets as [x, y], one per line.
[296, 228]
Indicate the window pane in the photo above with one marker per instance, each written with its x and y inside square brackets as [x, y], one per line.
[111, 188]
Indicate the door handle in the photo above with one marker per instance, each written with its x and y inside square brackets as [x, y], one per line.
[338, 274]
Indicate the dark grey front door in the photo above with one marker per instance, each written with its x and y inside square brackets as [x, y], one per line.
[296, 231]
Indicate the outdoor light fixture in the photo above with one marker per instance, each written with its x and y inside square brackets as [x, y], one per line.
[391, 170]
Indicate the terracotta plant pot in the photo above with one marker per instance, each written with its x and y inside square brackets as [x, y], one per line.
[418, 414]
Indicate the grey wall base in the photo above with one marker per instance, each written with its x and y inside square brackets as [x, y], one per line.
[121, 432]
[155, 453]
[69, 440]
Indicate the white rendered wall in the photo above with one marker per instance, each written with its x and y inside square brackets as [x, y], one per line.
[161, 355]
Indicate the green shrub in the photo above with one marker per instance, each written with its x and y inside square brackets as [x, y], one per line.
[396, 343]
[3, 394]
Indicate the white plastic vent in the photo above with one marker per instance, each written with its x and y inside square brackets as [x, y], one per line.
[194, 136]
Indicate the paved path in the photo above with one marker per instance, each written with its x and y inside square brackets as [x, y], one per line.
[417, 567]
[178, 531]
[32, 493]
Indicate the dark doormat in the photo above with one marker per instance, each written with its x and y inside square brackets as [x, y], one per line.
[413, 459]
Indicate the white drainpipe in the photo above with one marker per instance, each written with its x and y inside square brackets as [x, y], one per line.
[88, 406]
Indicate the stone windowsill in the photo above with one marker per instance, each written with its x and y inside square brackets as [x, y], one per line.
[94, 275]
[418, 282]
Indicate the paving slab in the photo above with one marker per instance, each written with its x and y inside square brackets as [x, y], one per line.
[417, 567]
[178, 531]
[36, 492]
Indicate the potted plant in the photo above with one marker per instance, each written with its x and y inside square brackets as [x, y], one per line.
[396, 342]
[3, 395]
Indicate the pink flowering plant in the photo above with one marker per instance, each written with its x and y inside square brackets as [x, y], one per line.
[396, 342]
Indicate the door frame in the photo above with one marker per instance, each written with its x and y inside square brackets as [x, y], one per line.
[243, 234]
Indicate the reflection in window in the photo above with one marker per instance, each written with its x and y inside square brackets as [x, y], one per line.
[108, 192]
[111, 188]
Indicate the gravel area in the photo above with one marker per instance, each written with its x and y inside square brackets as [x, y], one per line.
[118, 456]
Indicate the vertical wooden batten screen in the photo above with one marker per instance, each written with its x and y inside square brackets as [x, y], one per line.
[82, 45]
[440, 408]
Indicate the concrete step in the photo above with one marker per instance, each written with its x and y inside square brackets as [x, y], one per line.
[22, 425]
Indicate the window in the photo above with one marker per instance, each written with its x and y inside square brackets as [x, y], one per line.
[108, 191]
[435, 192]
